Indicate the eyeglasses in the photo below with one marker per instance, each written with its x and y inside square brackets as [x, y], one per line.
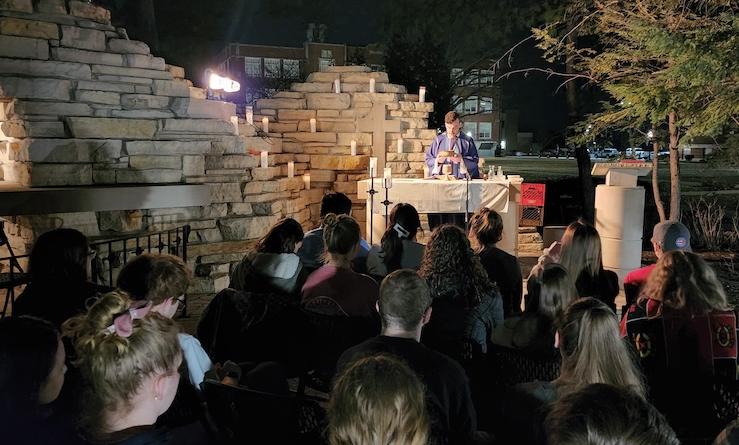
[181, 305]
[91, 254]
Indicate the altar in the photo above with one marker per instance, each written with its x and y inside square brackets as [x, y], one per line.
[439, 196]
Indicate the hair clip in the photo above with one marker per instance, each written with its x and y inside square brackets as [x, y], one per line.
[123, 323]
[402, 233]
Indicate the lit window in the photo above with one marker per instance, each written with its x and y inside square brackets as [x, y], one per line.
[327, 54]
[272, 67]
[486, 77]
[253, 66]
[323, 64]
[470, 105]
[486, 104]
[485, 130]
[471, 78]
[291, 68]
[470, 128]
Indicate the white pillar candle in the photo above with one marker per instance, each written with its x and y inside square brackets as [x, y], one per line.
[400, 145]
[313, 125]
[422, 94]
[250, 115]
[265, 124]
[235, 123]
[373, 167]
[291, 169]
[354, 147]
[387, 178]
[265, 159]
[337, 86]
[306, 181]
[372, 85]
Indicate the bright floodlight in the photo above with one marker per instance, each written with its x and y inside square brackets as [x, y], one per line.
[216, 82]
[469, 133]
[502, 144]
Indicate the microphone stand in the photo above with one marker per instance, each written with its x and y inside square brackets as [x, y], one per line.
[387, 184]
[372, 193]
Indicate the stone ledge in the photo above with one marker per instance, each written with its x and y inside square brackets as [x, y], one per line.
[111, 128]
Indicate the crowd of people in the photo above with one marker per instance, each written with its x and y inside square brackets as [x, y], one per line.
[86, 364]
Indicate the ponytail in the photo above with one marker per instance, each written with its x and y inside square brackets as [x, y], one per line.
[404, 224]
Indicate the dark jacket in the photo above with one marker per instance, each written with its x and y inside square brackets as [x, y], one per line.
[504, 270]
[57, 302]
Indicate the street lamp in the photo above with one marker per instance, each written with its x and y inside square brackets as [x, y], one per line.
[216, 82]
[502, 144]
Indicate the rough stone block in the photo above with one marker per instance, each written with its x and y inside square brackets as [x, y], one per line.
[105, 86]
[193, 165]
[253, 188]
[89, 11]
[373, 98]
[44, 175]
[42, 68]
[323, 77]
[390, 88]
[345, 139]
[419, 133]
[17, 5]
[51, 6]
[238, 161]
[267, 208]
[282, 103]
[347, 188]
[99, 97]
[328, 113]
[103, 176]
[296, 115]
[23, 47]
[28, 28]
[312, 137]
[153, 176]
[225, 192]
[326, 162]
[167, 147]
[126, 79]
[348, 69]
[379, 77]
[245, 228]
[111, 128]
[68, 151]
[145, 61]
[279, 127]
[25, 108]
[203, 127]
[46, 89]
[327, 126]
[143, 101]
[288, 95]
[130, 72]
[176, 71]
[142, 162]
[358, 113]
[265, 174]
[142, 114]
[313, 87]
[128, 46]
[240, 208]
[45, 129]
[328, 101]
[83, 56]
[322, 175]
[170, 88]
[205, 109]
[84, 38]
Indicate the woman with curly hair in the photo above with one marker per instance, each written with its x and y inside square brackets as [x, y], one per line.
[467, 306]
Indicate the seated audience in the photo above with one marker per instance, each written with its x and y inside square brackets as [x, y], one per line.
[398, 249]
[378, 400]
[533, 331]
[684, 330]
[32, 368]
[128, 356]
[273, 266]
[607, 415]
[486, 230]
[467, 306]
[579, 251]
[666, 236]
[312, 251]
[405, 308]
[163, 279]
[59, 266]
[351, 293]
[729, 435]
[592, 352]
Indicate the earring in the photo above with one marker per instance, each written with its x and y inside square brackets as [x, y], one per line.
[156, 397]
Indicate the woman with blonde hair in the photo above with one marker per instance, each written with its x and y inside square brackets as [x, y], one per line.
[349, 293]
[128, 356]
[592, 352]
[378, 400]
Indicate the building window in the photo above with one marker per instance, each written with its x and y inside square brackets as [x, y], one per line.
[327, 54]
[471, 78]
[272, 67]
[291, 68]
[486, 77]
[456, 72]
[486, 104]
[459, 108]
[485, 130]
[253, 66]
[470, 105]
[323, 64]
[470, 129]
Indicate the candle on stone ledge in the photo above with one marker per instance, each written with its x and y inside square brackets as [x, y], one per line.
[250, 115]
[306, 181]
[337, 86]
[422, 94]
[265, 124]
[372, 85]
[265, 159]
[291, 169]
[387, 178]
[373, 167]
[354, 147]
[400, 145]
[313, 125]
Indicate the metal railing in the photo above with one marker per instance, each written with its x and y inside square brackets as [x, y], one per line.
[111, 256]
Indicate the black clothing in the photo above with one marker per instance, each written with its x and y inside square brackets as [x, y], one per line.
[56, 302]
[604, 287]
[448, 389]
[137, 435]
[504, 270]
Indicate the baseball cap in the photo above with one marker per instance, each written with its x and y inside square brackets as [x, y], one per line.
[672, 235]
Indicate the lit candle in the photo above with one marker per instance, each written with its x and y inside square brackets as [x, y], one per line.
[265, 159]
[291, 169]
[372, 85]
[400, 145]
[422, 94]
[387, 178]
[265, 124]
[313, 125]
[306, 181]
[250, 115]
[354, 148]
[337, 86]
[373, 167]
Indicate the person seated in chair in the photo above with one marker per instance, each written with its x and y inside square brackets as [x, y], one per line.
[398, 248]
[405, 308]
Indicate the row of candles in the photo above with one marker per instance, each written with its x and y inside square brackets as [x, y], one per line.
[387, 173]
